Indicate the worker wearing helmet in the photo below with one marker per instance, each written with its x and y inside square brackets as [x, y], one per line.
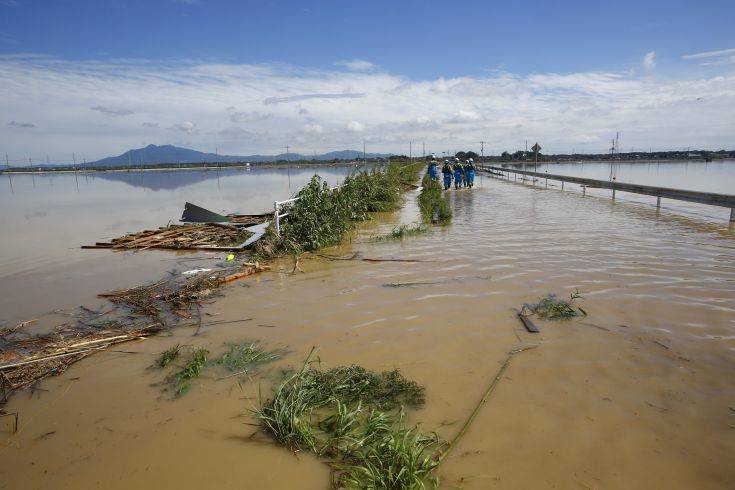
[458, 173]
[433, 170]
[447, 172]
[470, 172]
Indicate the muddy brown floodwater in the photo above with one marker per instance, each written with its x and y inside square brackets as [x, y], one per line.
[640, 394]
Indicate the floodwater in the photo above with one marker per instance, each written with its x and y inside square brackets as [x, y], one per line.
[639, 394]
[47, 217]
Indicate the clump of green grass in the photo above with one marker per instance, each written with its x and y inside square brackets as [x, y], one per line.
[391, 455]
[246, 355]
[321, 216]
[403, 231]
[180, 381]
[552, 308]
[347, 413]
[434, 208]
[168, 356]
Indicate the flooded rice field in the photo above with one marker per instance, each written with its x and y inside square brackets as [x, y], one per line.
[638, 394]
[47, 217]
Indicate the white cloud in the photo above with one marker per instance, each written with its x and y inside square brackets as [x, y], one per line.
[356, 65]
[296, 98]
[354, 126]
[464, 117]
[649, 60]
[313, 129]
[187, 127]
[112, 112]
[246, 117]
[720, 57]
[334, 109]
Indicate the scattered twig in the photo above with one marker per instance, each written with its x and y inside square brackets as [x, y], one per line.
[483, 400]
[44, 436]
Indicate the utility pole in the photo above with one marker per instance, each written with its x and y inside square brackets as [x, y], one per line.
[423, 150]
[287, 153]
[482, 151]
[410, 151]
[364, 154]
[74, 158]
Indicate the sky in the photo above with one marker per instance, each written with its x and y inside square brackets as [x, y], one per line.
[89, 79]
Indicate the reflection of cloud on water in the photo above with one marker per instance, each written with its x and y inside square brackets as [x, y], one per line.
[157, 180]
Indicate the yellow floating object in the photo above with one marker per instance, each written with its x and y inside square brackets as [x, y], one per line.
[230, 257]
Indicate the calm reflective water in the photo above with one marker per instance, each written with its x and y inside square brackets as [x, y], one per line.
[47, 217]
[718, 177]
[639, 394]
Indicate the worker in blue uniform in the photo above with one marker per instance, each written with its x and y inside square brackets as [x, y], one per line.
[447, 172]
[458, 173]
[433, 170]
[470, 172]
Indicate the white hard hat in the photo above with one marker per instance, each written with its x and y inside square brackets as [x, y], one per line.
[471, 160]
[433, 156]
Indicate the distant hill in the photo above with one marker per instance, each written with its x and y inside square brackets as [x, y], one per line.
[153, 154]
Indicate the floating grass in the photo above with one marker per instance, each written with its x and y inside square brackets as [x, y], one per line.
[434, 208]
[355, 417]
[403, 231]
[392, 455]
[245, 356]
[180, 381]
[168, 356]
[550, 307]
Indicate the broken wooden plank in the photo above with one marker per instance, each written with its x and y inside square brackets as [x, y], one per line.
[530, 327]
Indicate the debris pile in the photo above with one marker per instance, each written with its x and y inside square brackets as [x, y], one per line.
[137, 313]
[193, 236]
[48, 355]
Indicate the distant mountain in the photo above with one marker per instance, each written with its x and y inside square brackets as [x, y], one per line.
[153, 154]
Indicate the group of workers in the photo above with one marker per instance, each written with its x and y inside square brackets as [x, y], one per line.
[463, 174]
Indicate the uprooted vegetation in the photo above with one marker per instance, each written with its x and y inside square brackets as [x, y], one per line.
[434, 208]
[322, 216]
[403, 231]
[239, 359]
[550, 307]
[354, 417]
[180, 380]
[137, 312]
[247, 355]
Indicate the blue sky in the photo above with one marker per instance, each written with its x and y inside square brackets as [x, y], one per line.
[622, 56]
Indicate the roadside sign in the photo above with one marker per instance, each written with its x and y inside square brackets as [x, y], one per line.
[536, 148]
